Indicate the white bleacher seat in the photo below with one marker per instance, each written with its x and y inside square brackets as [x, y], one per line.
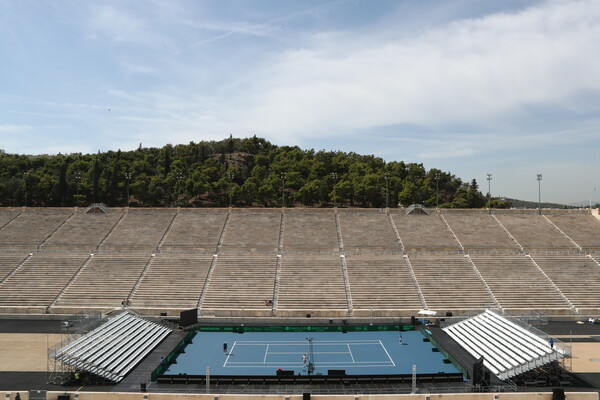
[507, 348]
[114, 348]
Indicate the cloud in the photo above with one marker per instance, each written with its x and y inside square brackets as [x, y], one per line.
[198, 43]
[476, 72]
[244, 28]
[470, 86]
[273, 28]
[108, 22]
[461, 145]
[467, 85]
[35, 140]
[15, 129]
[452, 152]
[131, 25]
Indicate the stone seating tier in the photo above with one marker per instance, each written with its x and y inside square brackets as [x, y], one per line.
[583, 229]
[310, 231]
[517, 283]
[450, 282]
[161, 259]
[577, 277]
[241, 282]
[8, 263]
[40, 279]
[138, 230]
[425, 232]
[310, 283]
[381, 282]
[480, 231]
[195, 230]
[172, 281]
[247, 231]
[105, 281]
[535, 232]
[363, 233]
[82, 232]
[29, 230]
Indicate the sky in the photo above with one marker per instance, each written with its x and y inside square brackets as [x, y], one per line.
[473, 87]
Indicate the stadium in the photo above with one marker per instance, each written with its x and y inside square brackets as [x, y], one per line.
[285, 200]
[311, 301]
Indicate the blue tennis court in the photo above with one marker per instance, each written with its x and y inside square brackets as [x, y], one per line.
[263, 353]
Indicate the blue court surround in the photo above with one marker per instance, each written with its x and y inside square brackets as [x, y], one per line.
[262, 353]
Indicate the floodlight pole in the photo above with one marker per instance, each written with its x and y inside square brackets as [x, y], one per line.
[25, 185]
[207, 379]
[387, 194]
[334, 175]
[283, 189]
[489, 179]
[179, 178]
[77, 179]
[127, 179]
[230, 176]
[311, 357]
[437, 190]
[539, 179]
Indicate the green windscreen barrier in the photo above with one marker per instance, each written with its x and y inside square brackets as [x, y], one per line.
[323, 328]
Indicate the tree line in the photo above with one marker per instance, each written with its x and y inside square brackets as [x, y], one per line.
[238, 172]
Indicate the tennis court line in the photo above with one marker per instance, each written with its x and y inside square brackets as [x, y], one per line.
[292, 364]
[303, 342]
[229, 354]
[266, 354]
[299, 364]
[388, 354]
[314, 352]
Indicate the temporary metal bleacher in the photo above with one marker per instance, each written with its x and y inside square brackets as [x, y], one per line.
[114, 348]
[508, 349]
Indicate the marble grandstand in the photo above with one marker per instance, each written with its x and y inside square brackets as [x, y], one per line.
[322, 262]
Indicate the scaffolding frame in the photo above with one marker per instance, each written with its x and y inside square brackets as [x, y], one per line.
[71, 328]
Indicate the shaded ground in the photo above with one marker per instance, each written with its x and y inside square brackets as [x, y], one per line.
[24, 381]
[29, 326]
[570, 328]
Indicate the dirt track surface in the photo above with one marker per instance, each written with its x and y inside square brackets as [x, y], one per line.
[26, 352]
[586, 357]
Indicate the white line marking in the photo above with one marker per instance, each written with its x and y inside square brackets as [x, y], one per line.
[314, 352]
[388, 354]
[350, 351]
[299, 363]
[229, 354]
[320, 342]
[266, 353]
[291, 365]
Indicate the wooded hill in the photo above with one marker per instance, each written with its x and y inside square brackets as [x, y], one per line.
[241, 172]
